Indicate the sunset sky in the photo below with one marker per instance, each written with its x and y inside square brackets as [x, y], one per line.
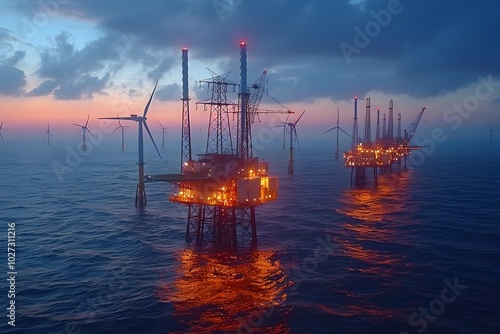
[61, 60]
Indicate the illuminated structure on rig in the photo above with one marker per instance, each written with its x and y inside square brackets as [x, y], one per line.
[377, 157]
[222, 188]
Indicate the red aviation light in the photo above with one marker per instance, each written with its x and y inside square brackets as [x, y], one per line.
[243, 44]
[184, 49]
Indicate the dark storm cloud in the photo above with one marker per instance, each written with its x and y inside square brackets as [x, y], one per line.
[13, 79]
[84, 87]
[170, 92]
[76, 74]
[423, 48]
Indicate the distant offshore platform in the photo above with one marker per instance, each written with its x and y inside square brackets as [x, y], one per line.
[387, 153]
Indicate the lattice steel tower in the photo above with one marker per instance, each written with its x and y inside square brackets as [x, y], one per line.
[186, 126]
[219, 139]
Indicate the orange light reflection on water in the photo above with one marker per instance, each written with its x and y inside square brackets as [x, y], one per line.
[369, 235]
[222, 291]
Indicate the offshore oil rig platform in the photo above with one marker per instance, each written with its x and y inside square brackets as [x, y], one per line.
[389, 151]
[226, 183]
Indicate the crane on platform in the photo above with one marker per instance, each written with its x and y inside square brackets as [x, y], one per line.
[256, 96]
[253, 99]
[410, 130]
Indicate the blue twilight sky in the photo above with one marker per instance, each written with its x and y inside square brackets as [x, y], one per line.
[60, 58]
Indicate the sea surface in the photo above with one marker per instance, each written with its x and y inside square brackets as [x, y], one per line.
[419, 254]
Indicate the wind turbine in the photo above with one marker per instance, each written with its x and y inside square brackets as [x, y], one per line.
[1, 131]
[140, 194]
[338, 129]
[292, 131]
[123, 132]
[163, 134]
[491, 133]
[49, 134]
[84, 130]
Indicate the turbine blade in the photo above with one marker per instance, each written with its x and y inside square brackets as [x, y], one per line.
[287, 118]
[1, 137]
[78, 125]
[90, 132]
[122, 118]
[1, 125]
[296, 136]
[151, 136]
[88, 117]
[491, 128]
[160, 125]
[116, 129]
[329, 130]
[119, 120]
[300, 117]
[344, 132]
[149, 102]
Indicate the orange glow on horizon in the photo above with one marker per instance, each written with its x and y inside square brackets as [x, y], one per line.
[34, 113]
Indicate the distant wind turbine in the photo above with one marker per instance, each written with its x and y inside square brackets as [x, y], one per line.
[140, 195]
[164, 129]
[338, 128]
[293, 131]
[1, 125]
[123, 128]
[491, 133]
[49, 134]
[84, 130]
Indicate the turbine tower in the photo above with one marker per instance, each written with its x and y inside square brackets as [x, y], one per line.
[123, 128]
[292, 130]
[491, 133]
[1, 125]
[140, 195]
[84, 130]
[48, 134]
[164, 129]
[377, 133]
[338, 128]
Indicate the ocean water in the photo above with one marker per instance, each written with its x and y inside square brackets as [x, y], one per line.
[420, 254]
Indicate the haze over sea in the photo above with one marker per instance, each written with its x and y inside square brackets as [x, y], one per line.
[417, 255]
